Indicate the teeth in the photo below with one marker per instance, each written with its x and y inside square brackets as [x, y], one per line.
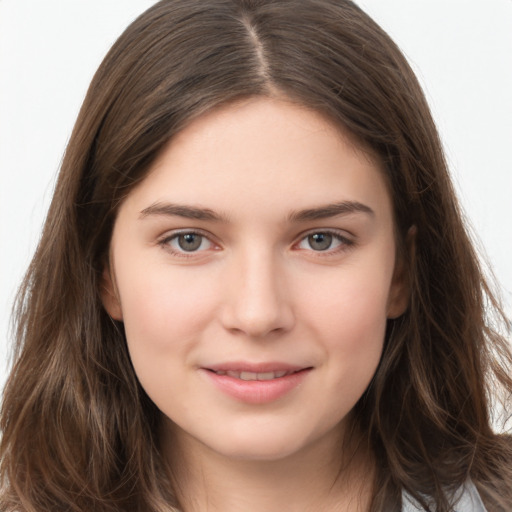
[266, 376]
[253, 375]
[248, 376]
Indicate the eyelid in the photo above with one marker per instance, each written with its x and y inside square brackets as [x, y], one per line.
[346, 240]
[164, 242]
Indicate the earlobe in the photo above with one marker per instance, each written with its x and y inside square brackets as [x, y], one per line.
[109, 295]
[398, 296]
[400, 290]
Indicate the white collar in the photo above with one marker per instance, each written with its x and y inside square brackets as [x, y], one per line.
[466, 499]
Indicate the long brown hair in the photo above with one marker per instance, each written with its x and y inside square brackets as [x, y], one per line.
[79, 432]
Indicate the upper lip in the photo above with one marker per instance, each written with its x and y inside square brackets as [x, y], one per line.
[244, 366]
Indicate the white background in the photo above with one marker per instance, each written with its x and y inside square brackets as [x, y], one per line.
[49, 50]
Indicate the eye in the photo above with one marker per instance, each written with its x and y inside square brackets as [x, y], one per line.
[324, 241]
[187, 242]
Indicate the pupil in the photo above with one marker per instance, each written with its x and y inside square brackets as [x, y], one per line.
[320, 241]
[189, 241]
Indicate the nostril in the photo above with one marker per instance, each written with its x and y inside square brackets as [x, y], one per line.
[256, 302]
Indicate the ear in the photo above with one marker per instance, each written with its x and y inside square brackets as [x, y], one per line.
[109, 294]
[400, 290]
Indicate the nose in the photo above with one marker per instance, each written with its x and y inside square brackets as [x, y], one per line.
[257, 301]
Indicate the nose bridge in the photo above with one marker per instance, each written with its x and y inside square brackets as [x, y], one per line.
[257, 302]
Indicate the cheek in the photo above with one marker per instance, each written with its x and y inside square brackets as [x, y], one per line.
[165, 316]
[353, 303]
[351, 319]
[163, 311]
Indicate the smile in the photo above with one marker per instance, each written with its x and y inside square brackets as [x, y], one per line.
[256, 384]
[254, 375]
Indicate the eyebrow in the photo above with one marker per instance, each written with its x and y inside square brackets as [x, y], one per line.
[198, 213]
[177, 210]
[330, 210]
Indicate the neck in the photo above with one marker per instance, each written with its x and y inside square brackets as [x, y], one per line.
[327, 476]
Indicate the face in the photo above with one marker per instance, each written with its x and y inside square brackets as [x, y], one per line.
[254, 269]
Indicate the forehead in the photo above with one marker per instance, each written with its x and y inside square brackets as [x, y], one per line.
[260, 155]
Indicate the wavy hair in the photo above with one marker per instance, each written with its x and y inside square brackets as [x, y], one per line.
[79, 432]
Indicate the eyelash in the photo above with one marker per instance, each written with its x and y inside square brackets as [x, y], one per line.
[165, 243]
[344, 242]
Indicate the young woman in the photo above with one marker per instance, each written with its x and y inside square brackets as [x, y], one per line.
[254, 290]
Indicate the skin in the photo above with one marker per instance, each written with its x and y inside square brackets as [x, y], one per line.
[256, 288]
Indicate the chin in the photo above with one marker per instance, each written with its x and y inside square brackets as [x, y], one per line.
[263, 449]
[263, 441]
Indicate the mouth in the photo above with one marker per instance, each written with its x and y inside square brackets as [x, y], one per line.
[247, 376]
[256, 384]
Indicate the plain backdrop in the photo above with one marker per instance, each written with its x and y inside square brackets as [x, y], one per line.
[49, 50]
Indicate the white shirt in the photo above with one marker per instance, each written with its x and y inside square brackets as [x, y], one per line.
[467, 500]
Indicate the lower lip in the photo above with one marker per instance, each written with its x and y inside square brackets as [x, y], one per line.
[257, 391]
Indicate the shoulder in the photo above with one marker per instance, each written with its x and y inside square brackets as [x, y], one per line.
[466, 499]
